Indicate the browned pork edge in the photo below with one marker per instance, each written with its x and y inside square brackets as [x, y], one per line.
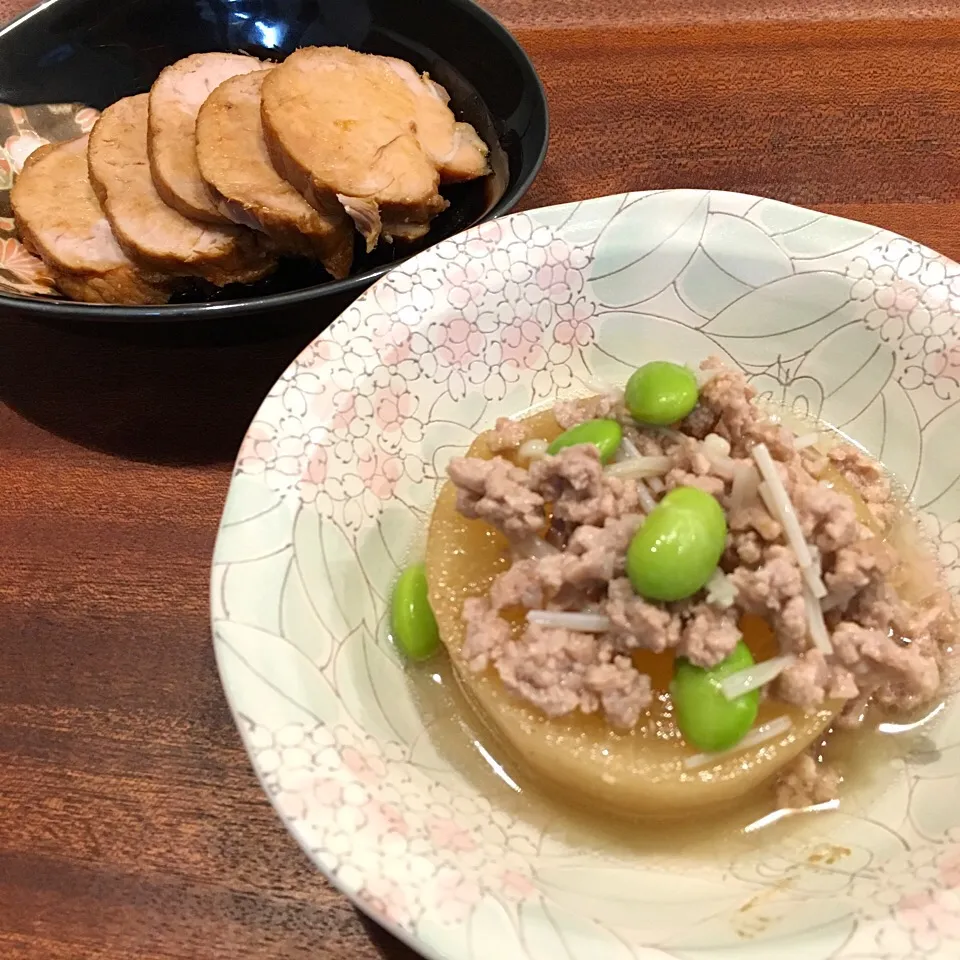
[175, 100]
[234, 161]
[297, 133]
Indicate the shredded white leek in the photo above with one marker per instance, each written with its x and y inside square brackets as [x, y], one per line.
[628, 450]
[602, 388]
[640, 467]
[717, 450]
[746, 480]
[721, 592]
[814, 581]
[533, 449]
[534, 548]
[765, 732]
[564, 620]
[752, 678]
[807, 440]
[778, 501]
[775, 496]
[723, 467]
[716, 445]
[818, 628]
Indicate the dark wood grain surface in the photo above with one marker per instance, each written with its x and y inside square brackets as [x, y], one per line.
[131, 826]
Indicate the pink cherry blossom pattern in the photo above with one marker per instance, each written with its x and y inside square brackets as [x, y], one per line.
[381, 474]
[362, 803]
[358, 380]
[388, 899]
[314, 476]
[576, 323]
[19, 147]
[85, 118]
[447, 834]
[394, 405]
[455, 896]
[22, 272]
[912, 297]
[932, 919]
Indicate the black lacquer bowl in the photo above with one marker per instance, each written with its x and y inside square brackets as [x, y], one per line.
[96, 52]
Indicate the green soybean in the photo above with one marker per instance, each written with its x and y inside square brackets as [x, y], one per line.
[678, 547]
[661, 393]
[605, 435]
[706, 718]
[413, 625]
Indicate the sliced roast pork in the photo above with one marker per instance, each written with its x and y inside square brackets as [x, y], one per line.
[235, 163]
[175, 100]
[455, 147]
[151, 233]
[367, 133]
[59, 218]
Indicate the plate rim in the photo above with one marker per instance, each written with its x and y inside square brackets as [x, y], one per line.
[406, 936]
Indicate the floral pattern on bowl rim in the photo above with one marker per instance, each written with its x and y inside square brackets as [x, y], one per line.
[23, 130]
[335, 479]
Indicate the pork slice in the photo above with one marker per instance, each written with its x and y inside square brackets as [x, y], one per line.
[234, 162]
[152, 234]
[355, 130]
[455, 147]
[175, 100]
[59, 218]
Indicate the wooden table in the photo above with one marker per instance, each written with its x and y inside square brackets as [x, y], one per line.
[131, 826]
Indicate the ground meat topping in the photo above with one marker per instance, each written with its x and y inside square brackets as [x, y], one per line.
[574, 482]
[520, 586]
[498, 492]
[708, 636]
[882, 649]
[765, 590]
[570, 413]
[755, 517]
[487, 634]
[811, 681]
[871, 651]
[560, 671]
[742, 548]
[639, 624]
[806, 783]
[866, 477]
[729, 399]
[715, 486]
[506, 435]
[856, 567]
[828, 518]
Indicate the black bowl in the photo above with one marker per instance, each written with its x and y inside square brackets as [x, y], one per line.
[94, 52]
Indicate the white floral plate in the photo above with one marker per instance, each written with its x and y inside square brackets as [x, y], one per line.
[330, 495]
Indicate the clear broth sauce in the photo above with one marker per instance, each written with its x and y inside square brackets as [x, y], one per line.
[865, 757]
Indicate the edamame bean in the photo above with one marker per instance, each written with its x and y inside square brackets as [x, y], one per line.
[661, 393]
[678, 547]
[706, 718]
[605, 435]
[412, 622]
